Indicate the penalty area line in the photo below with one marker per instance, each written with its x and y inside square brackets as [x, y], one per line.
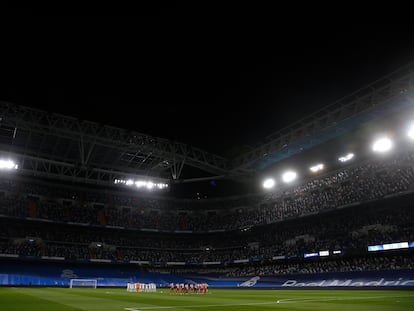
[202, 306]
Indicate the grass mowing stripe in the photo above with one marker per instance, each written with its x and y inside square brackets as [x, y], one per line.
[14, 299]
[290, 300]
[205, 306]
[71, 298]
[323, 299]
[64, 299]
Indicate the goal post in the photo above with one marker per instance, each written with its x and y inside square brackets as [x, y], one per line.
[83, 283]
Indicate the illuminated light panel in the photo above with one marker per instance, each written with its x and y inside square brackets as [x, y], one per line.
[382, 247]
[269, 183]
[323, 253]
[382, 145]
[307, 255]
[316, 168]
[346, 158]
[289, 176]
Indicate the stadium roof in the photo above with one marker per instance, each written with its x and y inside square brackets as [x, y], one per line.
[152, 96]
[58, 146]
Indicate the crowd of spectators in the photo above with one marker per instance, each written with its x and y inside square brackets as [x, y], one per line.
[350, 230]
[389, 262]
[347, 264]
[370, 181]
[40, 219]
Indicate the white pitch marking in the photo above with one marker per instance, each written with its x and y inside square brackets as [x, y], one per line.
[291, 300]
[204, 306]
[294, 300]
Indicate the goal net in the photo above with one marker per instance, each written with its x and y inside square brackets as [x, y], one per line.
[83, 283]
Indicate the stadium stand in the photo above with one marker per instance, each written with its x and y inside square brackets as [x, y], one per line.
[74, 219]
[347, 211]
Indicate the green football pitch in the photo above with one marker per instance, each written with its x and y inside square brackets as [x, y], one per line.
[109, 299]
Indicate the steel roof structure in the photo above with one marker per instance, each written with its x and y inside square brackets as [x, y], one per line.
[391, 93]
[58, 146]
[66, 148]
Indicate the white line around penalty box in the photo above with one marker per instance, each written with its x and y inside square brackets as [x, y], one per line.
[202, 306]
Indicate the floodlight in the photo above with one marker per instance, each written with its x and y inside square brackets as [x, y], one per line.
[346, 158]
[410, 132]
[161, 185]
[140, 183]
[289, 176]
[316, 168]
[7, 165]
[382, 145]
[268, 183]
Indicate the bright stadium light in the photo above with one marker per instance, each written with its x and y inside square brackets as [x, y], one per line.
[410, 132]
[141, 184]
[289, 176]
[268, 183]
[161, 186]
[346, 158]
[382, 145]
[316, 168]
[8, 165]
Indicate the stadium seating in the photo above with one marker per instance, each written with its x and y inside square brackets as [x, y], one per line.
[346, 210]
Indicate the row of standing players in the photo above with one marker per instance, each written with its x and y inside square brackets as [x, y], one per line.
[185, 288]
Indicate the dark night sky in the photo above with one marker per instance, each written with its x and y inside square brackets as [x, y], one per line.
[217, 79]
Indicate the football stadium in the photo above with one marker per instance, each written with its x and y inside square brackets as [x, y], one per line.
[306, 205]
[89, 221]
